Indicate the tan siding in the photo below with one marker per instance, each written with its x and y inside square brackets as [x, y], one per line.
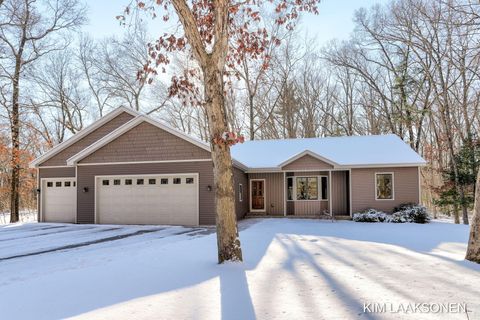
[274, 195]
[339, 193]
[241, 208]
[307, 162]
[363, 188]
[307, 208]
[86, 178]
[65, 172]
[146, 142]
[60, 159]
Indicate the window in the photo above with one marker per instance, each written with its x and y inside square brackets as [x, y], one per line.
[74, 183]
[177, 180]
[58, 184]
[105, 182]
[189, 181]
[324, 188]
[116, 182]
[240, 192]
[164, 181]
[307, 188]
[289, 188]
[152, 181]
[128, 182]
[140, 181]
[68, 183]
[384, 186]
[49, 184]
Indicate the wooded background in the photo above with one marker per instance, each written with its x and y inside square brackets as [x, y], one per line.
[411, 67]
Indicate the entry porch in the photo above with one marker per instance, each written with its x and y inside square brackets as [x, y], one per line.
[324, 193]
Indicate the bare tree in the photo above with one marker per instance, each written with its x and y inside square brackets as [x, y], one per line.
[28, 30]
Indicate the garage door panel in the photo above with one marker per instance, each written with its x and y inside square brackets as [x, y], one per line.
[59, 200]
[148, 203]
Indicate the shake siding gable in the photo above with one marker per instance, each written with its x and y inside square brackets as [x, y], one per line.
[307, 162]
[60, 159]
[146, 142]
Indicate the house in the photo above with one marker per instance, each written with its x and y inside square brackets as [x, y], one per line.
[127, 168]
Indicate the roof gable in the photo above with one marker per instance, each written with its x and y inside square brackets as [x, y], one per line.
[142, 139]
[58, 155]
[146, 142]
[307, 161]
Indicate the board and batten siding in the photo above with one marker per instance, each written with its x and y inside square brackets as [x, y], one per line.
[307, 162]
[60, 159]
[307, 207]
[86, 179]
[339, 194]
[146, 142]
[406, 188]
[274, 192]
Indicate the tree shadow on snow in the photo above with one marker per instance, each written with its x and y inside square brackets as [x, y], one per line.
[116, 278]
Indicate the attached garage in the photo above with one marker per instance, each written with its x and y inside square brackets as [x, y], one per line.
[58, 203]
[170, 199]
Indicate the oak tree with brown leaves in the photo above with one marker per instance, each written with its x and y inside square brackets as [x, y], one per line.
[218, 34]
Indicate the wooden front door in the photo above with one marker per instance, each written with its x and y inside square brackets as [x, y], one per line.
[258, 195]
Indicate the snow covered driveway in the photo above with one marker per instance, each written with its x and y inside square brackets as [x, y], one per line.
[293, 269]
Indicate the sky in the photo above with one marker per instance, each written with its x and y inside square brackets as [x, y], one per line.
[334, 19]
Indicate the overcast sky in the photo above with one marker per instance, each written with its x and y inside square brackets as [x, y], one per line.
[333, 21]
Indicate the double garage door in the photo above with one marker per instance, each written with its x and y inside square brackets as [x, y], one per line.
[151, 199]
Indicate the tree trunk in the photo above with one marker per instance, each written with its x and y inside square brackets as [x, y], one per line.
[251, 117]
[456, 215]
[15, 156]
[473, 249]
[227, 234]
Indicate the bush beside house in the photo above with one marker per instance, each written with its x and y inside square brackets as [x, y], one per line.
[405, 213]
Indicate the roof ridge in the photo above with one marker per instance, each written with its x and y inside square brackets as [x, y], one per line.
[325, 138]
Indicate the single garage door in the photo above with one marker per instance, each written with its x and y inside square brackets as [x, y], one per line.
[152, 199]
[59, 200]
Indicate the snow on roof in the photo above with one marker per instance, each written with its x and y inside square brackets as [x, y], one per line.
[343, 151]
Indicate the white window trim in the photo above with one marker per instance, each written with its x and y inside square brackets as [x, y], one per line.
[319, 186]
[264, 196]
[240, 192]
[393, 186]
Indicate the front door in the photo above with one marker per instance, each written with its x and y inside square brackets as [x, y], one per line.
[258, 195]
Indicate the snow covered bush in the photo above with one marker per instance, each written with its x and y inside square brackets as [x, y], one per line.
[403, 213]
[370, 215]
[413, 213]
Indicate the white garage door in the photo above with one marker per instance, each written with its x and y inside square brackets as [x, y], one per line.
[59, 200]
[159, 199]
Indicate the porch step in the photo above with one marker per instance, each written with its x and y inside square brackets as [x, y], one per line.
[319, 216]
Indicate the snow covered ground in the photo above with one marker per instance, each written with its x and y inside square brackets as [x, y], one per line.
[25, 216]
[293, 269]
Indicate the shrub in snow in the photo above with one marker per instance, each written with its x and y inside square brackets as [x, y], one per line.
[403, 213]
[414, 213]
[397, 217]
[370, 215]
